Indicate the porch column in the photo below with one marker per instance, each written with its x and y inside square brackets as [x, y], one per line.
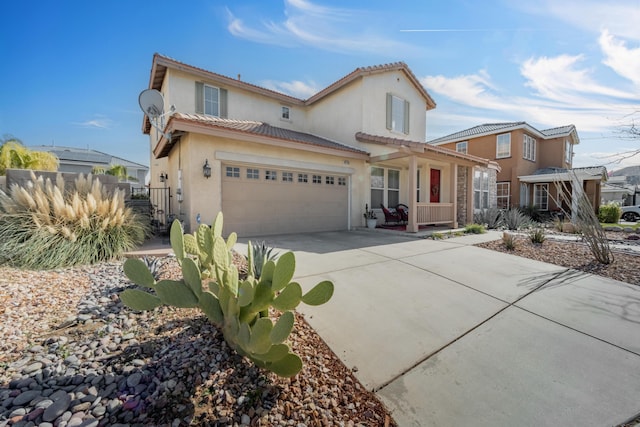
[454, 192]
[412, 226]
[470, 211]
[575, 194]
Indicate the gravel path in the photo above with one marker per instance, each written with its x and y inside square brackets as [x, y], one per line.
[72, 355]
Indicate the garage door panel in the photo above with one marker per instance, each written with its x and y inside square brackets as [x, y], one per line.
[254, 207]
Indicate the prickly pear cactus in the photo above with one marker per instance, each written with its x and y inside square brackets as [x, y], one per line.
[240, 308]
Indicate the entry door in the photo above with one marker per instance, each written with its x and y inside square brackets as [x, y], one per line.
[434, 194]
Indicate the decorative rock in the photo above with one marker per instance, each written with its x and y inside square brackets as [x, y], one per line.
[36, 366]
[57, 408]
[25, 397]
[134, 379]
[245, 419]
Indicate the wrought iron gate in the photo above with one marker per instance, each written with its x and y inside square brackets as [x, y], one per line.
[159, 206]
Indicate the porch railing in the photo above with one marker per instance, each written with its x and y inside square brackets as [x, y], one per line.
[435, 213]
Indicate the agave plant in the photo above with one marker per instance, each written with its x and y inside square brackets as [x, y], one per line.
[260, 253]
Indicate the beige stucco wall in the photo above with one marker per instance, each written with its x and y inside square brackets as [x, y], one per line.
[203, 196]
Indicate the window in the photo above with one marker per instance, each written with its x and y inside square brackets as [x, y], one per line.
[287, 176]
[342, 181]
[397, 114]
[480, 189]
[211, 100]
[461, 147]
[317, 179]
[285, 113]
[504, 193]
[528, 148]
[389, 194]
[329, 180]
[253, 174]
[503, 145]
[568, 154]
[302, 177]
[524, 194]
[270, 175]
[541, 196]
[233, 172]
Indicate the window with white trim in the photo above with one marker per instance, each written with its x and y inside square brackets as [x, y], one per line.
[303, 177]
[480, 189]
[461, 147]
[317, 179]
[287, 176]
[211, 101]
[285, 114]
[503, 145]
[397, 114]
[528, 148]
[253, 173]
[385, 187]
[504, 194]
[270, 175]
[342, 181]
[541, 196]
[568, 152]
[233, 172]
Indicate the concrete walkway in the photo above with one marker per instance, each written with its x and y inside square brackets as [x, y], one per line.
[448, 334]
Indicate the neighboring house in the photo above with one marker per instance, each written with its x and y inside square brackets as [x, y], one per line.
[279, 164]
[617, 190]
[531, 160]
[83, 160]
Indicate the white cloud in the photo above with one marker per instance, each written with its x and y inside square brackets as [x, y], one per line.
[294, 88]
[99, 122]
[622, 60]
[308, 24]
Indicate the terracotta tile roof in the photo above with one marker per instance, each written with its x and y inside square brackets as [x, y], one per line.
[383, 140]
[494, 128]
[262, 129]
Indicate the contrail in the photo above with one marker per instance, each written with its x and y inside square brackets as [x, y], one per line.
[471, 30]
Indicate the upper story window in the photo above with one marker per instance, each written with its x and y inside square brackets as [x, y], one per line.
[568, 152]
[211, 100]
[461, 147]
[503, 145]
[397, 114]
[528, 148]
[285, 114]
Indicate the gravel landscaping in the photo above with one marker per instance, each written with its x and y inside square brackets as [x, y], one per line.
[72, 355]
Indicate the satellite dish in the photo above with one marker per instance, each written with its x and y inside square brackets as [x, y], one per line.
[152, 103]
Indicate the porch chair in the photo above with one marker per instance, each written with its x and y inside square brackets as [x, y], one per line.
[403, 211]
[390, 216]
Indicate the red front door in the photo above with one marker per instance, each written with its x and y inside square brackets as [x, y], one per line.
[434, 193]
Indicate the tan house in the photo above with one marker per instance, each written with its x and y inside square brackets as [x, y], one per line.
[531, 160]
[275, 164]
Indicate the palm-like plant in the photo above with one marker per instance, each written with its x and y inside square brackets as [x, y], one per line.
[14, 155]
[118, 171]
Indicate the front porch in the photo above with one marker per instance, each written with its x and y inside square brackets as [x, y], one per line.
[436, 184]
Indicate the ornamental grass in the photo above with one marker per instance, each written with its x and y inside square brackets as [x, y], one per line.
[42, 226]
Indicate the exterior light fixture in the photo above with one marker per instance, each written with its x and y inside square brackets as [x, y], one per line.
[163, 177]
[206, 169]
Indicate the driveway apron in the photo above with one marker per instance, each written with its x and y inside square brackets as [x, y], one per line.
[447, 333]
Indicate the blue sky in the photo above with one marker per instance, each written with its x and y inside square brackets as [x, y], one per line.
[72, 70]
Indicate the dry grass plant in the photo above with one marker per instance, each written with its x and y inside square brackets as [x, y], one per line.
[42, 226]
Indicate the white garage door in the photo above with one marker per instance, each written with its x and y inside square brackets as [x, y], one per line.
[260, 201]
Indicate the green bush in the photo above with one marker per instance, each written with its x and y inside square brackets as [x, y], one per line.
[475, 229]
[610, 213]
[491, 218]
[42, 226]
[537, 235]
[514, 219]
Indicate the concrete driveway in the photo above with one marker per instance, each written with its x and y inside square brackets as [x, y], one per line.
[448, 334]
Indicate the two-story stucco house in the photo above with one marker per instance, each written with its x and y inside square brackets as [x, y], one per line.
[280, 164]
[531, 161]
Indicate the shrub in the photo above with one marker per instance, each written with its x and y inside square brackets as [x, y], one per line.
[491, 218]
[509, 241]
[514, 219]
[44, 227]
[475, 229]
[537, 235]
[609, 213]
[437, 236]
[260, 253]
[533, 213]
[239, 308]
